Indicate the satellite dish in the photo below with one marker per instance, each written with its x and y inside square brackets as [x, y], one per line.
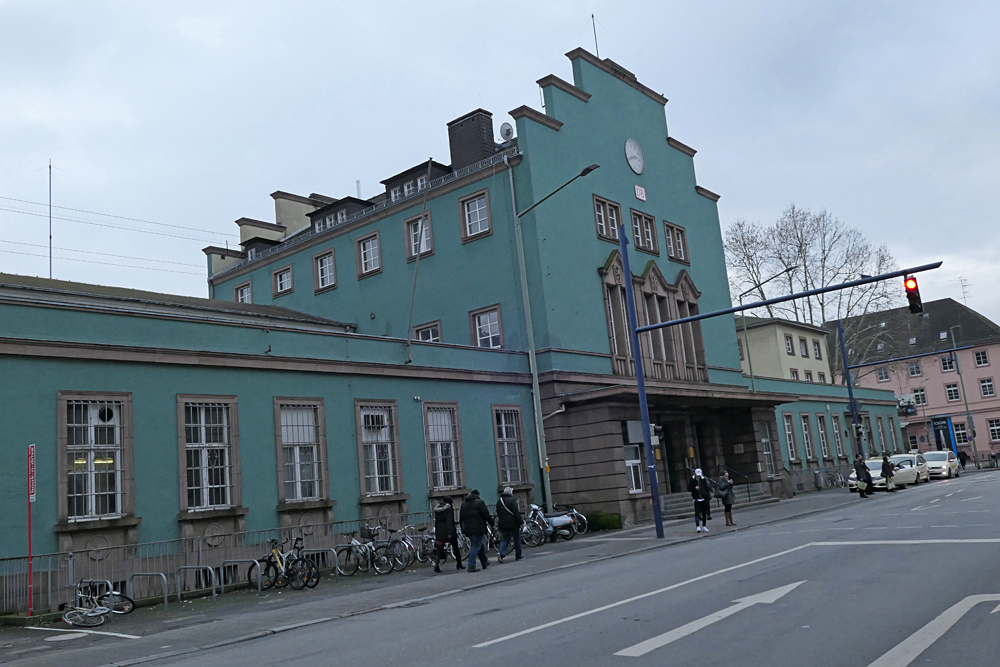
[506, 132]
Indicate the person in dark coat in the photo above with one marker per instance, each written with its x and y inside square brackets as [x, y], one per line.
[861, 472]
[701, 492]
[887, 472]
[475, 516]
[509, 521]
[724, 489]
[445, 533]
[963, 458]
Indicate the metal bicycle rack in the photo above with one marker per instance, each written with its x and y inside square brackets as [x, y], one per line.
[332, 552]
[256, 563]
[166, 586]
[202, 568]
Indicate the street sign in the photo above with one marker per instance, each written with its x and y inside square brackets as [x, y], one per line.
[31, 473]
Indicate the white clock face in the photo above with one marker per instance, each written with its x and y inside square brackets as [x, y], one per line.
[633, 153]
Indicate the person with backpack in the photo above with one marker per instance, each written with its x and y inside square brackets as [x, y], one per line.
[475, 516]
[445, 533]
[701, 492]
[509, 520]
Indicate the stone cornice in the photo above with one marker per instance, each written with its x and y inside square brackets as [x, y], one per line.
[708, 194]
[537, 116]
[683, 148]
[565, 86]
[617, 71]
[260, 224]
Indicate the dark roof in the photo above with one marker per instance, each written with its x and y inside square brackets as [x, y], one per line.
[762, 321]
[417, 170]
[359, 204]
[44, 289]
[470, 115]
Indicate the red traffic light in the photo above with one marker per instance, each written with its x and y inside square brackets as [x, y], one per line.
[913, 294]
[910, 283]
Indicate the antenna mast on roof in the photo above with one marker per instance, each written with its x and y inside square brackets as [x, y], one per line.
[593, 22]
[50, 218]
[965, 285]
[358, 184]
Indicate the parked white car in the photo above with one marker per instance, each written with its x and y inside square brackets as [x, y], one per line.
[942, 463]
[910, 464]
[901, 476]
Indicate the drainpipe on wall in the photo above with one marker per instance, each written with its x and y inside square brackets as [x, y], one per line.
[543, 458]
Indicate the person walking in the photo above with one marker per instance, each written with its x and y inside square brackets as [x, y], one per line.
[887, 471]
[724, 490]
[701, 492]
[445, 533]
[509, 521]
[862, 474]
[963, 458]
[475, 516]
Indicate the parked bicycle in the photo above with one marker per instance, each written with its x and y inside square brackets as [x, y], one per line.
[579, 520]
[279, 569]
[86, 611]
[835, 478]
[357, 555]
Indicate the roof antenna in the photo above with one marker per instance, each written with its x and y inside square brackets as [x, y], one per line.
[593, 22]
[358, 184]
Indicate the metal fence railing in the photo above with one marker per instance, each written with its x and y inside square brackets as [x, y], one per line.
[137, 568]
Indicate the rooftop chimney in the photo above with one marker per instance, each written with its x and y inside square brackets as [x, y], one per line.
[471, 138]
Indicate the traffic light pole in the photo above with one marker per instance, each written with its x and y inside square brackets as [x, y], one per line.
[850, 390]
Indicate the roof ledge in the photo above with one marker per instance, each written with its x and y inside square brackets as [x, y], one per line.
[683, 148]
[223, 252]
[617, 71]
[538, 117]
[708, 194]
[566, 87]
[260, 224]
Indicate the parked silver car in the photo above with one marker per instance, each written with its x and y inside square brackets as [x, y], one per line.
[942, 463]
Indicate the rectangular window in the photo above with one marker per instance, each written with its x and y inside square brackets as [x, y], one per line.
[914, 369]
[913, 441]
[644, 233]
[341, 216]
[324, 271]
[881, 433]
[951, 391]
[961, 435]
[421, 183]
[510, 445]
[418, 237]
[869, 434]
[822, 378]
[994, 426]
[803, 348]
[892, 434]
[789, 346]
[428, 333]
[607, 214]
[681, 237]
[633, 467]
[739, 346]
[208, 456]
[282, 281]
[378, 441]
[303, 444]
[486, 328]
[410, 188]
[668, 234]
[920, 396]
[790, 437]
[986, 387]
[368, 255]
[824, 447]
[947, 364]
[882, 374]
[809, 376]
[807, 436]
[817, 350]
[837, 442]
[794, 374]
[243, 293]
[396, 194]
[94, 450]
[475, 212]
[444, 445]
[982, 358]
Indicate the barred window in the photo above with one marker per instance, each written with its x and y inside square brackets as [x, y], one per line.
[94, 443]
[379, 449]
[300, 452]
[208, 452]
[510, 445]
[444, 446]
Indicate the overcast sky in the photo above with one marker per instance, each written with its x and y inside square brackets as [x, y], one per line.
[191, 114]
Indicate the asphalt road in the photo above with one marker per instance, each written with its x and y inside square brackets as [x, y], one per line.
[884, 582]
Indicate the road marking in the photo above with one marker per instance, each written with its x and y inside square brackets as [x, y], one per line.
[643, 596]
[877, 528]
[977, 511]
[812, 530]
[840, 529]
[948, 495]
[908, 527]
[965, 500]
[936, 500]
[767, 597]
[975, 525]
[86, 632]
[784, 532]
[947, 526]
[910, 648]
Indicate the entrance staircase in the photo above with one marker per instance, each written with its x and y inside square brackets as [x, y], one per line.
[681, 506]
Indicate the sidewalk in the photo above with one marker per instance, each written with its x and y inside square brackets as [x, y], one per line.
[199, 624]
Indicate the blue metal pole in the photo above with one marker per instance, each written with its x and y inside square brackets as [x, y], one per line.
[850, 388]
[633, 324]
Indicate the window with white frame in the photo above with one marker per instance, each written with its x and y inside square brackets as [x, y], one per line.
[881, 433]
[510, 445]
[824, 447]
[982, 358]
[821, 378]
[994, 426]
[817, 350]
[920, 396]
[428, 333]
[633, 467]
[379, 449]
[244, 293]
[341, 216]
[807, 436]
[681, 244]
[325, 271]
[914, 368]
[951, 392]
[475, 216]
[943, 335]
[986, 387]
[794, 374]
[369, 256]
[95, 433]
[790, 437]
[837, 442]
[300, 450]
[803, 348]
[396, 194]
[961, 434]
[410, 188]
[282, 281]
[809, 376]
[644, 233]
[947, 364]
[789, 346]
[444, 446]
[486, 328]
[668, 234]
[882, 374]
[418, 237]
[421, 183]
[607, 215]
[869, 434]
[208, 453]
[892, 434]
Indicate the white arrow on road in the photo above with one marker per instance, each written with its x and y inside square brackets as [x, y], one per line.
[907, 650]
[767, 597]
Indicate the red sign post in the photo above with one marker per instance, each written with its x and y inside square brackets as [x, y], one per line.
[31, 499]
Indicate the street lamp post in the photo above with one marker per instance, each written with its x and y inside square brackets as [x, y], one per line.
[970, 428]
[543, 457]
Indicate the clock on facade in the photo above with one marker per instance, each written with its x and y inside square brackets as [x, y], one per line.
[633, 153]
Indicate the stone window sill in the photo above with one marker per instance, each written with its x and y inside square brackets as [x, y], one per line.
[387, 498]
[213, 514]
[307, 505]
[97, 524]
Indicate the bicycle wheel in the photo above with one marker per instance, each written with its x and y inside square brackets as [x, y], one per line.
[117, 603]
[259, 570]
[425, 548]
[348, 561]
[312, 573]
[533, 534]
[580, 523]
[297, 573]
[81, 618]
[273, 576]
[382, 560]
[400, 555]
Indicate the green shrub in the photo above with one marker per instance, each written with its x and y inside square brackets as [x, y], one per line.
[603, 521]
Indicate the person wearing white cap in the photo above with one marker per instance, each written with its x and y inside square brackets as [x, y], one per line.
[701, 492]
[509, 521]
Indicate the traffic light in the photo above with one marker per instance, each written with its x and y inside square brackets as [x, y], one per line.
[913, 294]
